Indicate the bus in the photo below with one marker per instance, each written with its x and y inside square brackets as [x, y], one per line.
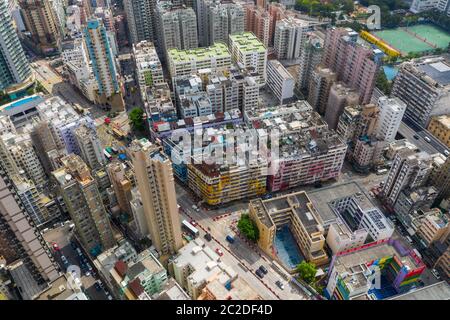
[107, 154]
[190, 228]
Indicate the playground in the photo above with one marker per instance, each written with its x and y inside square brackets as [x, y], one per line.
[414, 39]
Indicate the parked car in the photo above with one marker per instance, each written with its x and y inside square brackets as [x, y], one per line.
[208, 237]
[259, 273]
[436, 274]
[97, 287]
[416, 137]
[55, 246]
[263, 269]
[279, 284]
[230, 238]
[219, 252]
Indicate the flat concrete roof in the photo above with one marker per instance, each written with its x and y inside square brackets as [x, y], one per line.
[321, 199]
[437, 291]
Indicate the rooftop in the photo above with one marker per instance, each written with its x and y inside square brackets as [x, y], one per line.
[247, 42]
[217, 50]
[437, 291]
[296, 203]
[203, 262]
[280, 69]
[444, 120]
[322, 198]
[352, 265]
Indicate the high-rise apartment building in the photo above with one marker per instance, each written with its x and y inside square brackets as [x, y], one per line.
[176, 27]
[424, 85]
[25, 158]
[280, 81]
[353, 63]
[15, 70]
[290, 37]
[42, 24]
[249, 51]
[89, 147]
[409, 169]
[310, 57]
[258, 21]
[391, 114]
[319, 86]
[103, 64]
[141, 19]
[121, 185]
[19, 240]
[224, 18]
[340, 96]
[154, 178]
[83, 201]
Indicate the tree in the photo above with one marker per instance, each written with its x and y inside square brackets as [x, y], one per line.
[307, 271]
[136, 117]
[248, 227]
[383, 83]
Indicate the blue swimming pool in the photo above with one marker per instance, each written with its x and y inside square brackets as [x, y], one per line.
[286, 248]
[23, 101]
[390, 72]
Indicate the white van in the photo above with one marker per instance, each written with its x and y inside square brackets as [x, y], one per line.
[427, 139]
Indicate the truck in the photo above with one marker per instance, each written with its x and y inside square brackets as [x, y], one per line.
[230, 238]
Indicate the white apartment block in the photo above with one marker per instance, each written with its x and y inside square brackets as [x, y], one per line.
[444, 6]
[390, 118]
[418, 6]
[176, 26]
[280, 81]
[424, 85]
[62, 120]
[224, 18]
[423, 5]
[250, 52]
[409, 170]
[148, 67]
[290, 37]
[23, 154]
[341, 238]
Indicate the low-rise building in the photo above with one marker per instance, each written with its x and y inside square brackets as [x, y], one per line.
[196, 265]
[137, 280]
[238, 289]
[351, 276]
[346, 207]
[294, 210]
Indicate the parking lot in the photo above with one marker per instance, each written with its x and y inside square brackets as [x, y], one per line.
[65, 248]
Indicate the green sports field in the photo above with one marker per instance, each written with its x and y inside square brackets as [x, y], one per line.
[417, 38]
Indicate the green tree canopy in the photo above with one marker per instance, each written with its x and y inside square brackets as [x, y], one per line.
[248, 227]
[136, 117]
[383, 83]
[307, 271]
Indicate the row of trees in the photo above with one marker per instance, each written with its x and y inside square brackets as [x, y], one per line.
[324, 9]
